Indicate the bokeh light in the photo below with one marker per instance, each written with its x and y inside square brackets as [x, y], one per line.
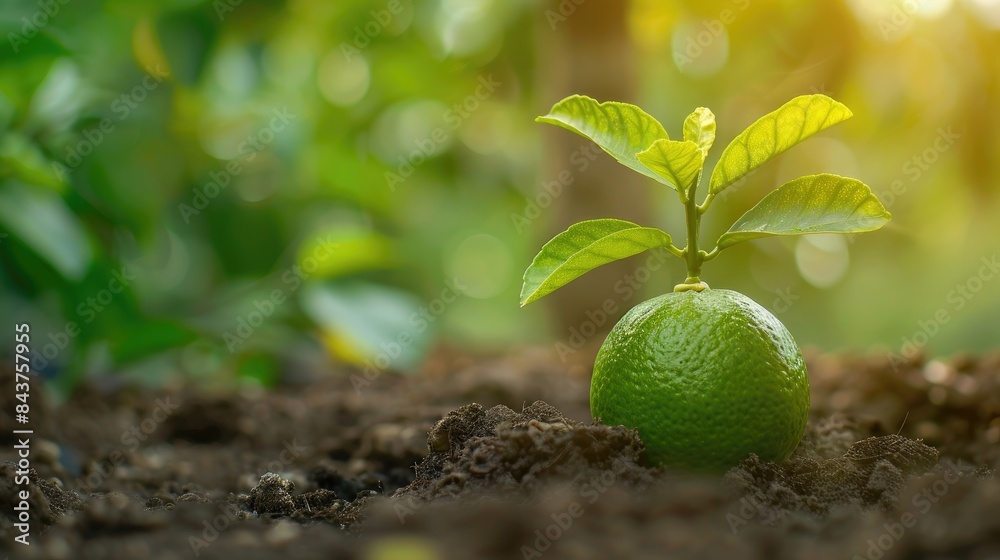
[420, 176]
[341, 81]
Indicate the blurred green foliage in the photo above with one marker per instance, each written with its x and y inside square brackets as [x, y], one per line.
[229, 189]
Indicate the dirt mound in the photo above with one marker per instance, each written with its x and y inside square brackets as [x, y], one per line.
[45, 502]
[405, 468]
[499, 452]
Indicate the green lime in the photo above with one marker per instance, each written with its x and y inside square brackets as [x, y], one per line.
[706, 377]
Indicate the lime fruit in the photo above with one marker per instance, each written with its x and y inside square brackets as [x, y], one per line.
[706, 377]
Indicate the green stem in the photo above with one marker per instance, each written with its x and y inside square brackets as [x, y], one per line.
[693, 221]
[692, 255]
[706, 203]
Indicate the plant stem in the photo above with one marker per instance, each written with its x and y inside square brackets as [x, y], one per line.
[706, 203]
[693, 256]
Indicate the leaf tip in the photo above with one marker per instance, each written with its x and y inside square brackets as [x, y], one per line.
[848, 113]
[525, 297]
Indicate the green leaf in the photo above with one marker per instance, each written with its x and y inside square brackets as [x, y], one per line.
[620, 129]
[41, 219]
[699, 127]
[774, 133]
[148, 338]
[262, 368]
[344, 250]
[678, 163]
[23, 159]
[582, 248]
[822, 203]
[359, 319]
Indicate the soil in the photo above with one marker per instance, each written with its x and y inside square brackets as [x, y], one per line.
[453, 462]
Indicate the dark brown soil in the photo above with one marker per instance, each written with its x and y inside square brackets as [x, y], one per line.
[453, 463]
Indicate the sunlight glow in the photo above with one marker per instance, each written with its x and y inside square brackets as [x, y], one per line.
[822, 259]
